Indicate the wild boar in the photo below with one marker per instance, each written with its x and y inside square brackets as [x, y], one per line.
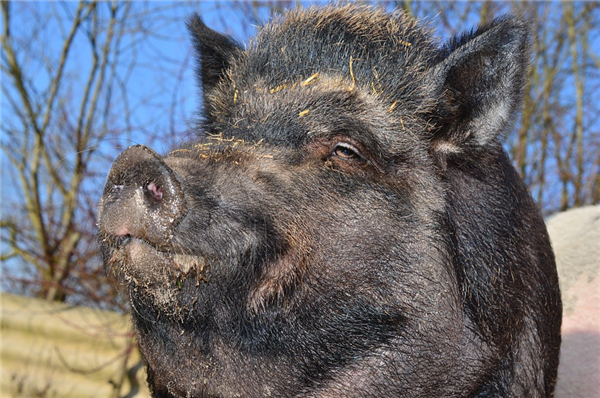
[346, 225]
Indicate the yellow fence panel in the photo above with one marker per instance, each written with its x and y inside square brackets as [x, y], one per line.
[54, 350]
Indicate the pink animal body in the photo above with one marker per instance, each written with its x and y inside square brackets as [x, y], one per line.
[575, 236]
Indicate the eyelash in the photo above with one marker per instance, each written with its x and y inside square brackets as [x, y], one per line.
[345, 151]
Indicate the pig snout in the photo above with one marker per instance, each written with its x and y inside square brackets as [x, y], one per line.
[142, 199]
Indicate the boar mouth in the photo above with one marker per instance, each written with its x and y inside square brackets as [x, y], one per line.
[135, 261]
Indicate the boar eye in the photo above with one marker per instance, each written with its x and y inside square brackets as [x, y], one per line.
[345, 151]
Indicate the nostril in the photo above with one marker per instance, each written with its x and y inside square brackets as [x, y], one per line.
[123, 240]
[155, 191]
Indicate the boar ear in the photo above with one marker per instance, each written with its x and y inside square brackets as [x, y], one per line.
[479, 78]
[215, 51]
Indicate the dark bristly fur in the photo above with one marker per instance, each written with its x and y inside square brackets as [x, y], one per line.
[348, 224]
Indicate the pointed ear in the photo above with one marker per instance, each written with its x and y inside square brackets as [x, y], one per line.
[215, 52]
[479, 78]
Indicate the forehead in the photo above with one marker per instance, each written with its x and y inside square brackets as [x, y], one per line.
[365, 41]
[343, 71]
[291, 114]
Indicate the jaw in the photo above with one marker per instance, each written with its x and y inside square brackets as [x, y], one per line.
[193, 362]
[203, 341]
